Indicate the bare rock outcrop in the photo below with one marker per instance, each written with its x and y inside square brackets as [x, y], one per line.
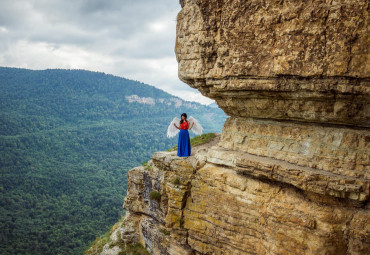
[290, 173]
[283, 60]
[211, 204]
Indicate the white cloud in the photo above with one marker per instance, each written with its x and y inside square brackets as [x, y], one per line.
[3, 30]
[158, 26]
[132, 39]
[35, 55]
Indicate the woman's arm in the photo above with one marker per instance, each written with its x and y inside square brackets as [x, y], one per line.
[176, 126]
[192, 124]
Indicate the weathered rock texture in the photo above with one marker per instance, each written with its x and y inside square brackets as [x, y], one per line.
[279, 59]
[290, 173]
[212, 204]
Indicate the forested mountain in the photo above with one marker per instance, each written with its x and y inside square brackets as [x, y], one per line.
[68, 137]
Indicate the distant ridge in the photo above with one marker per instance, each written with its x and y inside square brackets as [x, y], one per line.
[67, 139]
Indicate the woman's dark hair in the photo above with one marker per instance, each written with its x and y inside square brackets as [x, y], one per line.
[186, 116]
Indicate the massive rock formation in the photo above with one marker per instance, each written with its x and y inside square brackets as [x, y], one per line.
[290, 173]
[306, 61]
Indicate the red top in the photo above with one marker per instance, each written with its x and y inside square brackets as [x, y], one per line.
[184, 125]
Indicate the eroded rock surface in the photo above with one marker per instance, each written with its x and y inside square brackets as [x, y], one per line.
[211, 205]
[290, 173]
[295, 60]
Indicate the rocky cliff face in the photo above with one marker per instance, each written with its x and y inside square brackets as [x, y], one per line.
[290, 173]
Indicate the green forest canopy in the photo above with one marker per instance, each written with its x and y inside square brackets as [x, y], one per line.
[68, 138]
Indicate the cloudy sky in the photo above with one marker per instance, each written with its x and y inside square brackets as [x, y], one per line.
[128, 38]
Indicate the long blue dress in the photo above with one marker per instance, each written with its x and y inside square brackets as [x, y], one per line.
[183, 145]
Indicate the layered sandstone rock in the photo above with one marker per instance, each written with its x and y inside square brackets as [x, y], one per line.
[296, 60]
[209, 206]
[290, 173]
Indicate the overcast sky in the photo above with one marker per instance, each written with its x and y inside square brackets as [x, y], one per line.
[134, 39]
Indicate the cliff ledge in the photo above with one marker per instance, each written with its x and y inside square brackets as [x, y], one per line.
[290, 173]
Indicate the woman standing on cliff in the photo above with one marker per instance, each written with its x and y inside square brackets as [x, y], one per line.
[183, 145]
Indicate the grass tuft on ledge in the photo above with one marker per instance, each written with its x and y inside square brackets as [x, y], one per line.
[197, 140]
[155, 195]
